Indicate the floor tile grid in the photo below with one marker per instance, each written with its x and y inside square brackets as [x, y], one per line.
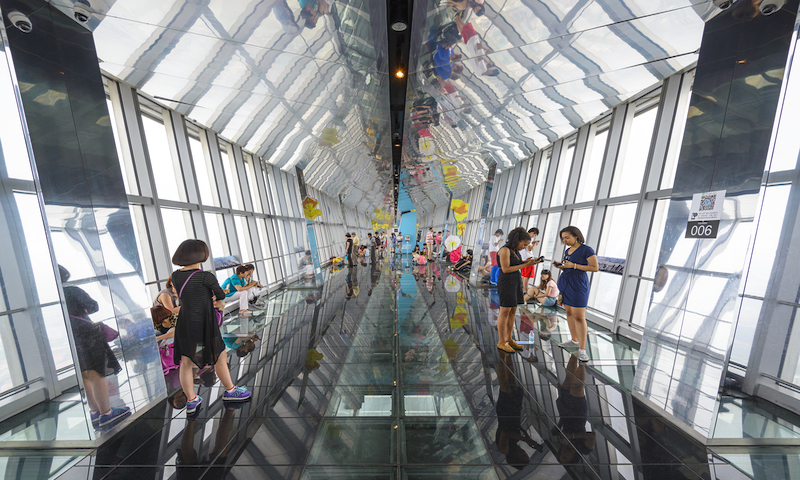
[588, 387]
[552, 417]
[254, 411]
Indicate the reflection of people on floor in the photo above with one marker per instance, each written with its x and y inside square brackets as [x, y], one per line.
[464, 263]
[550, 326]
[509, 415]
[243, 345]
[572, 412]
[189, 462]
[348, 282]
[95, 357]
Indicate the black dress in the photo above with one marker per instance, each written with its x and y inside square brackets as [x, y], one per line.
[197, 334]
[509, 285]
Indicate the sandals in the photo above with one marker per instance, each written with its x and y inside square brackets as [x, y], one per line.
[505, 347]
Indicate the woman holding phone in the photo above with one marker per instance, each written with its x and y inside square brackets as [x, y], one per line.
[574, 286]
[509, 285]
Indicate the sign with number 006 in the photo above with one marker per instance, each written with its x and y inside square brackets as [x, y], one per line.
[702, 229]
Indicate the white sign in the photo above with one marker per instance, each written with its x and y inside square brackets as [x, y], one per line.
[707, 207]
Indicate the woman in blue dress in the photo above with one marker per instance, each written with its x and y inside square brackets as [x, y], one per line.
[574, 286]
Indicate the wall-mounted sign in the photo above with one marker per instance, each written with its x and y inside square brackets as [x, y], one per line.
[705, 214]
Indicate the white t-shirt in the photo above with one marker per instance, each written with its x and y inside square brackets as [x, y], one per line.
[495, 242]
[524, 254]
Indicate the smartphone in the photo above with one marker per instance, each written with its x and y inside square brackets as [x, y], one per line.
[540, 259]
[557, 264]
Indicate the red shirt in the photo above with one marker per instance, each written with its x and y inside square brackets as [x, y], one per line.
[468, 32]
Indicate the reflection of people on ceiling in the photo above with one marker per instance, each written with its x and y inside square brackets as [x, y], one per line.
[285, 15]
[477, 50]
[312, 10]
[477, 6]
[442, 60]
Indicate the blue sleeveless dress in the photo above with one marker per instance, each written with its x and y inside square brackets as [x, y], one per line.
[574, 283]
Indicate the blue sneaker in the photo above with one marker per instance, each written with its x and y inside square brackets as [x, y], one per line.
[193, 405]
[95, 418]
[113, 417]
[238, 394]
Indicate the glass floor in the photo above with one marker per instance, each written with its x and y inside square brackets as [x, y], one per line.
[389, 372]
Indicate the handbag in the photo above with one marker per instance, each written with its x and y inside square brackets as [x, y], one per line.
[167, 353]
[109, 333]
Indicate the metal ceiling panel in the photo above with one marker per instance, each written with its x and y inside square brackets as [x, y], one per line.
[500, 79]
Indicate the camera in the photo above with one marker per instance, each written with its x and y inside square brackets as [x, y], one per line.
[82, 11]
[768, 7]
[20, 20]
[724, 4]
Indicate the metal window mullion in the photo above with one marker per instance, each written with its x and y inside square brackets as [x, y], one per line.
[645, 208]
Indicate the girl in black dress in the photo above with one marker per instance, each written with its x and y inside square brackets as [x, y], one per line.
[198, 340]
[509, 286]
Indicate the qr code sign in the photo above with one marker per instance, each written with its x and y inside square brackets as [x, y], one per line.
[707, 202]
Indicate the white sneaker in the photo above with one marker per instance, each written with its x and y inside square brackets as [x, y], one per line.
[582, 356]
[569, 343]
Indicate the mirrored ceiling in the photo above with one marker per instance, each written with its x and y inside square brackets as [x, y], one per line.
[300, 83]
[497, 80]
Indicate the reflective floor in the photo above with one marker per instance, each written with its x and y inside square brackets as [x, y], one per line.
[391, 372]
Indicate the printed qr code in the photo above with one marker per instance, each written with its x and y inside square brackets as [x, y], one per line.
[707, 202]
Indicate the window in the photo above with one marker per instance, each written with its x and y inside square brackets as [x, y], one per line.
[678, 128]
[582, 218]
[177, 227]
[124, 156]
[631, 164]
[231, 176]
[36, 242]
[551, 244]
[562, 175]
[206, 183]
[143, 243]
[243, 235]
[649, 267]
[249, 167]
[590, 173]
[614, 241]
[538, 193]
[166, 173]
[13, 139]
